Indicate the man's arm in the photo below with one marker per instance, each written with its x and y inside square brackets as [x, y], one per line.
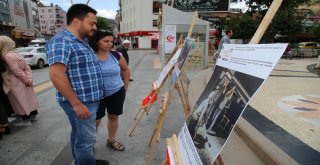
[57, 73]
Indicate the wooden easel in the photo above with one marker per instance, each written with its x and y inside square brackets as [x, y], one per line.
[172, 143]
[178, 85]
[180, 88]
[155, 138]
[255, 40]
[154, 93]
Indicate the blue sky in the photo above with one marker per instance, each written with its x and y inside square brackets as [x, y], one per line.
[106, 8]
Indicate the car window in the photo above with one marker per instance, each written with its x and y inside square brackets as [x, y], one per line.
[309, 44]
[24, 49]
[40, 50]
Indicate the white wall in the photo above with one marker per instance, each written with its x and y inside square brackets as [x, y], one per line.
[137, 16]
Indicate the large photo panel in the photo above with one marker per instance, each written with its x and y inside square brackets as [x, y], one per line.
[217, 110]
[239, 73]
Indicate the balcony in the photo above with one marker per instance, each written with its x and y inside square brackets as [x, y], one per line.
[59, 22]
[35, 17]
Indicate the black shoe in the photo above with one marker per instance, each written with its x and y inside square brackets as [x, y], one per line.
[130, 79]
[101, 162]
[7, 131]
[0, 136]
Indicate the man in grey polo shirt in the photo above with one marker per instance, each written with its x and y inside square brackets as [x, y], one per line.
[225, 39]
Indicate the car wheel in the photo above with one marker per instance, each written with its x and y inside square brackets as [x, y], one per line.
[40, 64]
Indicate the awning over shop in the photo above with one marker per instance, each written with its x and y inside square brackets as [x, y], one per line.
[154, 36]
[137, 33]
[23, 34]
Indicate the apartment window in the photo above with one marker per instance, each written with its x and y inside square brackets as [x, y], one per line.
[3, 4]
[5, 17]
[154, 23]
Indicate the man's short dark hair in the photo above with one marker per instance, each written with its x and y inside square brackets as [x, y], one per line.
[228, 31]
[79, 11]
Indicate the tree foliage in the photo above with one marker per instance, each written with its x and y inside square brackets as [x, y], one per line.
[285, 22]
[243, 28]
[103, 23]
[316, 30]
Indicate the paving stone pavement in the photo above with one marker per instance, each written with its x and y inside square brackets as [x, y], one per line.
[290, 98]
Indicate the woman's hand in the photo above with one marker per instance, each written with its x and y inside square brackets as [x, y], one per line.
[29, 83]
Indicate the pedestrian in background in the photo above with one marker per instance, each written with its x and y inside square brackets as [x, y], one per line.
[113, 65]
[21, 96]
[225, 40]
[76, 74]
[123, 49]
[134, 44]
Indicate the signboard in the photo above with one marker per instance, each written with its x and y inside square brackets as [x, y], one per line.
[167, 69]
[170, 38]
[240, 71]
[188, 44]
[21, 13]
[201, 5]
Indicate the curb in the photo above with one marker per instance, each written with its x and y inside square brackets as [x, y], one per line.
[267, 151]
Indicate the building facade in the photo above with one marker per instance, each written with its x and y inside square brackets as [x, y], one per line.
[52, 18]
[35, 17]
[138, 22]
[22, 20]
[6, 24]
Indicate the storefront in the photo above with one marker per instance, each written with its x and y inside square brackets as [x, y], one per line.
[22, 37]
[143, 39]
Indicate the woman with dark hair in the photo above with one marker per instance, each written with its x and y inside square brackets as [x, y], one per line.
[116, 75]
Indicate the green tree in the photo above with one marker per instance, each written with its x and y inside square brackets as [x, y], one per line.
[103, 23]
[316, 30]
[244, 27]
[285, 22]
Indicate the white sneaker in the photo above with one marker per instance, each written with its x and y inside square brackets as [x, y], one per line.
[23, 124]
[33, 118]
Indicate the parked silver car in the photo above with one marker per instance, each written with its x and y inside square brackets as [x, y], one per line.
[34, 56]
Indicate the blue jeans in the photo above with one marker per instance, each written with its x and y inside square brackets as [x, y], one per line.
[83, 133]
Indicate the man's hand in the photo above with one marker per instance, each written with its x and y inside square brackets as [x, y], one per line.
[81, 111]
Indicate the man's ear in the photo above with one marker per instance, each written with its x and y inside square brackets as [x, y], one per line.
[76, 23]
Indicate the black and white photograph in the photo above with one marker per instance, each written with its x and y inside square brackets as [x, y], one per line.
[217, 110]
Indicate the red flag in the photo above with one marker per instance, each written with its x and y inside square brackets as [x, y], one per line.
[151, 98]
